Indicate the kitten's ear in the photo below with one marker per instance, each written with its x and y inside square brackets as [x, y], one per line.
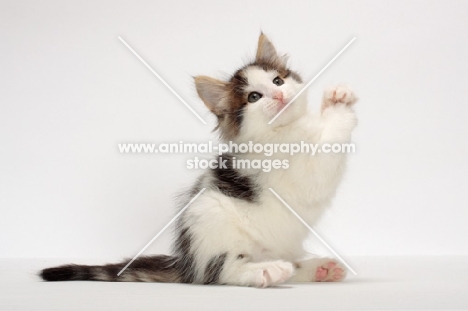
[212, 92]
[267, 52]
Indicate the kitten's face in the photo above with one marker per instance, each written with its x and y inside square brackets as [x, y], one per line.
[254, 95]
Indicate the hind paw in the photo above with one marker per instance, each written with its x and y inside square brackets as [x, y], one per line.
[330, 271]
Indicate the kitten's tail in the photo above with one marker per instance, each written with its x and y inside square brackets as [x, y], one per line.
[159, 268]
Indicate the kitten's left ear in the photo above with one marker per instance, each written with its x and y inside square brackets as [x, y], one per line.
[213, 93]
[266, 52]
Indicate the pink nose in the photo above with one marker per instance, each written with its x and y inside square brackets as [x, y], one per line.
[278, 96]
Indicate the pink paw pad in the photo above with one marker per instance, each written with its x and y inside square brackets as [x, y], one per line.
[321, 273]
[329, 272]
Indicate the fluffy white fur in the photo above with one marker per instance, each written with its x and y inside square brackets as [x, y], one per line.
[237, 232]
[267, 234]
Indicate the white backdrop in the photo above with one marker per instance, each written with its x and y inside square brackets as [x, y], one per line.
[70, 91]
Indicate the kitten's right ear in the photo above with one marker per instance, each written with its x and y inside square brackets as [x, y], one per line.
[212, 92]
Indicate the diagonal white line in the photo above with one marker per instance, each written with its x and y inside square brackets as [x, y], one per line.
[161, 79]
[160, 232]
[313, 79]
[313, 231]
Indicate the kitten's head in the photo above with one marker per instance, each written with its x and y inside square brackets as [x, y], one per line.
[254, 95]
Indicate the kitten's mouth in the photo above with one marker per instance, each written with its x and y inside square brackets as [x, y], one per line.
[280, 105]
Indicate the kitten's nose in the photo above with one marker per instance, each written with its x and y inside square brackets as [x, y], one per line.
[278, 96]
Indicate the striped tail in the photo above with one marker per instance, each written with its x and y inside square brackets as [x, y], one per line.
[159, 268]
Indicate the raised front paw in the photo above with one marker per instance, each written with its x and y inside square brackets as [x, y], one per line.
[340, 94]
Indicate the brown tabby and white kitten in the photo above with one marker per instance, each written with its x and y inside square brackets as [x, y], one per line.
[236, 232]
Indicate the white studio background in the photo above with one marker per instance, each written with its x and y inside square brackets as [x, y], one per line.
[70, 91]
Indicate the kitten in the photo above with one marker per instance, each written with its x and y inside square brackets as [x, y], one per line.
[237, 232]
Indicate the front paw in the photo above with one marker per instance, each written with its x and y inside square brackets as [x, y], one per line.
[340, 94]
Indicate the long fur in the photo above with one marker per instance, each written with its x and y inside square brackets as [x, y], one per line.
[237, 232]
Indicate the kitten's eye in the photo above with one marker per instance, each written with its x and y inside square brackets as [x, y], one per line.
[278, 81]
[254, 96]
